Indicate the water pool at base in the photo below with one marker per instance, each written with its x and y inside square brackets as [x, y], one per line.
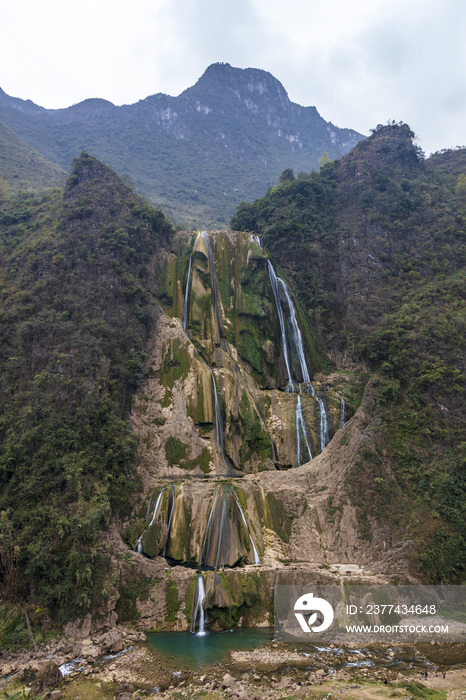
[188, 650]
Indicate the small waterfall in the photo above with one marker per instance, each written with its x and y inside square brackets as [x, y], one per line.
[173, 499]
[278, 305]
[342, 412]
[301, 435]
[298, 346]
[138, 546]
[148, 508]
[323, 425]
[157, 505]
[257, 561]
[215, 542]
[218, 321]
[296, 334]
[218, 419]
[198, 614]
[255, 239]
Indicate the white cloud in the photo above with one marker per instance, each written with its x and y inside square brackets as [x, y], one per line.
[359, 63]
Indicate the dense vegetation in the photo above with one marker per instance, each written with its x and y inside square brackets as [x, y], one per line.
[75, 313]
[374, 244]
[196, 155]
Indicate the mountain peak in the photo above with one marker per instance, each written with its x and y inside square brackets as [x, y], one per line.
[222, 78]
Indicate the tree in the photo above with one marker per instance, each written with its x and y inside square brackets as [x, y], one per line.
[286, 176]
[324, 159]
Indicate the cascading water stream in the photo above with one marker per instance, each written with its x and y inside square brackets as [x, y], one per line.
[198, 615]
[255, 239]
[323, 425]
[138, 546]
[257, 560]
[215, 541]
[278, 305]
[301, 434]
[207, 532]
[157, 505]
[296, 334]
[173, 497]
[342, 412]
[297, 343]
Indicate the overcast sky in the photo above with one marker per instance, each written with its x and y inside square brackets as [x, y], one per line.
[360, 63]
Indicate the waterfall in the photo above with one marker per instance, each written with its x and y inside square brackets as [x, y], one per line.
[218, 419]
[198, 614]
[278, 305]
[342, 412]
[214, 551]
[256, 555]
[323, 425]
[148, 508]
[296, 334]
[255, 239]
[207, 532]
[138, 546]
[157, 505]
[298, 345]
[173, 497]
[218, 321]
[301, 434]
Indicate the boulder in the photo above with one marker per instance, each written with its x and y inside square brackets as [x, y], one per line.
[124, 691]
[228, 681]
[285, 682]
[111, 641]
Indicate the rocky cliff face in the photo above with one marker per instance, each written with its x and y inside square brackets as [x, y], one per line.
[240, 508]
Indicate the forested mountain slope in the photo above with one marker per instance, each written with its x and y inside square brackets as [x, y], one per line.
[76, 309]
[374, 244]
[225, 139]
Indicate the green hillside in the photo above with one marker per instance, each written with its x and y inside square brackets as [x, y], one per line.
[374, 244]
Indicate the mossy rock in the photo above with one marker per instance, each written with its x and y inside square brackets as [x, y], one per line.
[277, 518]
